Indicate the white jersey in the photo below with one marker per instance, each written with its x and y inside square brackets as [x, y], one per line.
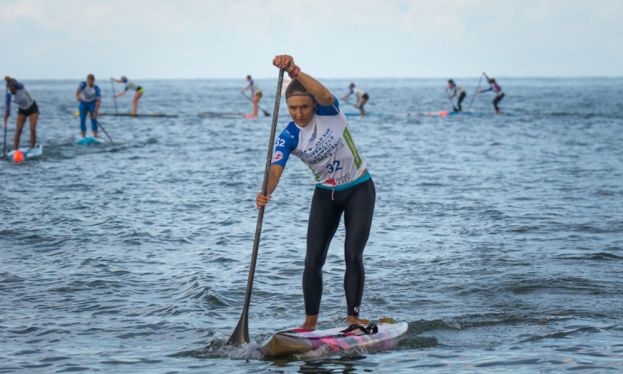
[21, 98]
[326, 146]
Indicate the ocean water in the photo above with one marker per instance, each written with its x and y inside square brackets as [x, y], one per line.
[499, 239]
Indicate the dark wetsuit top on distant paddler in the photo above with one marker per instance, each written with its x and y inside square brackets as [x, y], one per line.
[344, 185]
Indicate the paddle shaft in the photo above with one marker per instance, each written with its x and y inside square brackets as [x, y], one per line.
[105, 132]
[114, 94]
[6, 124]
[450, 100]
[251, 100]
[469, 105]
[241, 333]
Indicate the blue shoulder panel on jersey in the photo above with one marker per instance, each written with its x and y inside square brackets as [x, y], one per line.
[287, 141]
[82, 86]
[98, 92]
[329, 110]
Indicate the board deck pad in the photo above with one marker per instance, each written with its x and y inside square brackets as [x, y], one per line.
[29, 153]
[89, 140]
[297, 341]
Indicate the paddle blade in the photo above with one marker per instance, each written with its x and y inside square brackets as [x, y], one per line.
[241, 333]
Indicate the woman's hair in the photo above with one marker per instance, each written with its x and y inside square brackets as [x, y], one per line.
[91, 76]
[296, 88]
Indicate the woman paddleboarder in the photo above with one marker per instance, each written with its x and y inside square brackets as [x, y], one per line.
[28, 109]
[256, 96]
[129, 85]
[320, 137]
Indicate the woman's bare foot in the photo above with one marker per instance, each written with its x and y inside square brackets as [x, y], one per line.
[310, 322]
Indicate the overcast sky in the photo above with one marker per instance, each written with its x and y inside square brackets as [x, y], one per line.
[331, 39]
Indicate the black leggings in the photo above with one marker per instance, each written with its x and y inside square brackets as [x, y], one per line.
[357, 203]
[459, 100]
[497, 99]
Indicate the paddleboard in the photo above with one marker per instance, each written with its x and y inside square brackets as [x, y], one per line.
[156, 115]
[221, 115]
[29, 153]
[357, 114]
[298, 341]
[89, 140]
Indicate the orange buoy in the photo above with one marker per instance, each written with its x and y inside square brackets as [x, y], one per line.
[18, 156]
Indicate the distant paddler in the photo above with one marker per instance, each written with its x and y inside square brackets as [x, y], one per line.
[28, 109]
[129, 85]
[361, 95]
[256, 96]
[454, 90]
[320, 137]
[495, 87]
[89, 96]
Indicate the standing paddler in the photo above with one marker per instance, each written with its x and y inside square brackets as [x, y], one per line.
[319, 135]
[89, 95]
[129, 85]
[256, 96]
[361, 96]
[28, 109]
[457, 91]
[495, 87]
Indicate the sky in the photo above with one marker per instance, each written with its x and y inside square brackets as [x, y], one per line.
[184, 39]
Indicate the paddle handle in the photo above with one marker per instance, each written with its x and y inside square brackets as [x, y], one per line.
[241, 333]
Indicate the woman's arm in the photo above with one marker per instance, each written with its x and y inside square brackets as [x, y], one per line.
[274, 176]
[320, 92]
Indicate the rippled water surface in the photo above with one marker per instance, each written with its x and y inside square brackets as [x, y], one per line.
[498, 238]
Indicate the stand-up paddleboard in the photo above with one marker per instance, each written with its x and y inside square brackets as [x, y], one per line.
[221, 115]
[89, 140]
[139, 115]
[357, 114]
[442, 113]
[298, 341]
[29, 153]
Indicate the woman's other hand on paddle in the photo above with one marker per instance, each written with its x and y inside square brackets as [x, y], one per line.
[261, 200]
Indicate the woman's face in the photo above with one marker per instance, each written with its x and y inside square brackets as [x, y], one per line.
[90, 81]
[301, 109]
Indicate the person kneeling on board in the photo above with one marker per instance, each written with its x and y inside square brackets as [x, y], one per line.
[361, 95]
[456, 91]
[89, 96]
[320, 137]
[28, 109]
[129, 85]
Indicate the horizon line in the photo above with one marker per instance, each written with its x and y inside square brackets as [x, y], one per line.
[364, 78]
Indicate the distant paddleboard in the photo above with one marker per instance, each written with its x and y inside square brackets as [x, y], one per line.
[29, 153]
[297, 341]
[221, 115]
[140, 115]
[357, 114]
[89, 140]
[442, 113]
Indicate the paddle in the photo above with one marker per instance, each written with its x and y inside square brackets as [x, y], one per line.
[251, 100]
[6, 122]
[450, 100]
[114, 94]
[241, 333]
[105, 132]
[469, 105]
